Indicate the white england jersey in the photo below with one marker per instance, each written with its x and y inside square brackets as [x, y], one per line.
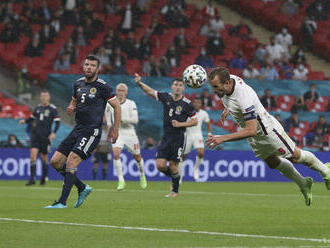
[129, 116]
[202, 116]
[244, 104]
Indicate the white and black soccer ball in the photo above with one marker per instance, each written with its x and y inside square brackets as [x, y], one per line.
[194, 76]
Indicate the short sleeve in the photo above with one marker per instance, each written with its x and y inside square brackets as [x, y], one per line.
[191, 111]
[108, 93]
[162, 96]
[247, 106]
[74, 93]
[206, 117]
[56, 115]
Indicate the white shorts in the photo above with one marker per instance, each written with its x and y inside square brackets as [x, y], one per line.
[276, 142]
[193, 141]
[130, 141]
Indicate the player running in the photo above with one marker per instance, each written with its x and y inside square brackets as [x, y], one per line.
[195, 138]
[42, 134]
[265, 134]
[176, 111]
[90, 96]
[127, 135]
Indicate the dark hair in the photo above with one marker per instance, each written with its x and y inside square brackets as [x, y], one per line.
[222, 73]
[93, 58]
[198, 99]
[44, 91]
[177, 79]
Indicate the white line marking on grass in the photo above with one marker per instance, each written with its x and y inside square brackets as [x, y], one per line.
[151, 229]
[162, 191]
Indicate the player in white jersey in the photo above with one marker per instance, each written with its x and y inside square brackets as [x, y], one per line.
[264, 133]
[195, 140]
[127, 135]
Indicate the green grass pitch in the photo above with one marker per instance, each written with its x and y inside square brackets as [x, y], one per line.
[204, 215]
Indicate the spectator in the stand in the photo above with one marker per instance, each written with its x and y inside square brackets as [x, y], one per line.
[34, 48]
[319, 9]
[286, 69]
[103, 57]
[143, 5]
[239, 62]
[62, 63]
[70, 49]
[260, 54]
[97, 24]
[89, 29]
[13, 141]
[299, 104]
[216, 23]
[128, 18]
[111, 7]
[119, 67]
[279, 119]
[79, 36]
[69, 7]
[307, 30]
[173, 56]
[10, 33]
[268, 100]
[318, 137]
[174, 15]
[117, 56]
[323, 124]
[285, 40]
[44, 12]
[165, 66]
[58, 21]
[157, 27]
[111, 39]
[149, 143]
[289, 7]
[206, 99]
[292, 121]
[128, 46]
[240, 30]
[269, 72]
[209, 10]
[274, 51]
[215, 44]
[311, 95]
[181, 42]
[147, 66]
[206, 29]
[157, 70]
[251, 72]
[144, 51]
[204, 59]
[300, 73]
[47, 34]
[299, 57]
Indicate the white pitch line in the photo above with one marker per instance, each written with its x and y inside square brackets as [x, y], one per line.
[162, 191]
[152, 229]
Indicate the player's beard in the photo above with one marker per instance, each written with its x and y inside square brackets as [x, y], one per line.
[90, 76]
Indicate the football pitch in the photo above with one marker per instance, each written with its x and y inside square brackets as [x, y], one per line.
[223, 214]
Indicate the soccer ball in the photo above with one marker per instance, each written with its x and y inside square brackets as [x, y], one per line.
[194, 76]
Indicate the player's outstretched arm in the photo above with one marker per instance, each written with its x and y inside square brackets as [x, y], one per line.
[249, 130]
[72, 106]
[148, 90]
[117, 116]
[190, 123]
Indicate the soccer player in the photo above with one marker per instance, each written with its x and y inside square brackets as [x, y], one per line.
[127, 135]
[265, 134]
[90, 96]
[176, 110]
[42, 134]
[195, 138]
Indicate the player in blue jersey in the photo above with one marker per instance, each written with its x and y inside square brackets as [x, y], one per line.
[90, 96]
[176, 110]
[41, 120]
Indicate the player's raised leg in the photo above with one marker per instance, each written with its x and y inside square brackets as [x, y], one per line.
[287, 169]
[309, 159]
[198, 161]
[140, 162]
[33, 166]
[118, 167]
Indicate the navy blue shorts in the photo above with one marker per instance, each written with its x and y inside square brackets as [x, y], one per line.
[171, 147]
[81, 140]
[41, 143]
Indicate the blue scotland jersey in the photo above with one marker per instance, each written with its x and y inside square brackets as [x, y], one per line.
[91, 101]
[179, 110]
[43, 117]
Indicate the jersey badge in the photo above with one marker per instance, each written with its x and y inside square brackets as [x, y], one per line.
[47, 112]
[178, 110]
[92, 92]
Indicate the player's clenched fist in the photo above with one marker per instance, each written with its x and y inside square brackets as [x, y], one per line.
[70, 109]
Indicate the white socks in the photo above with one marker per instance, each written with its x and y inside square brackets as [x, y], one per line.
[198, 162]
[141, 166]
[313, 162]
[289, 171]
[118, 167]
